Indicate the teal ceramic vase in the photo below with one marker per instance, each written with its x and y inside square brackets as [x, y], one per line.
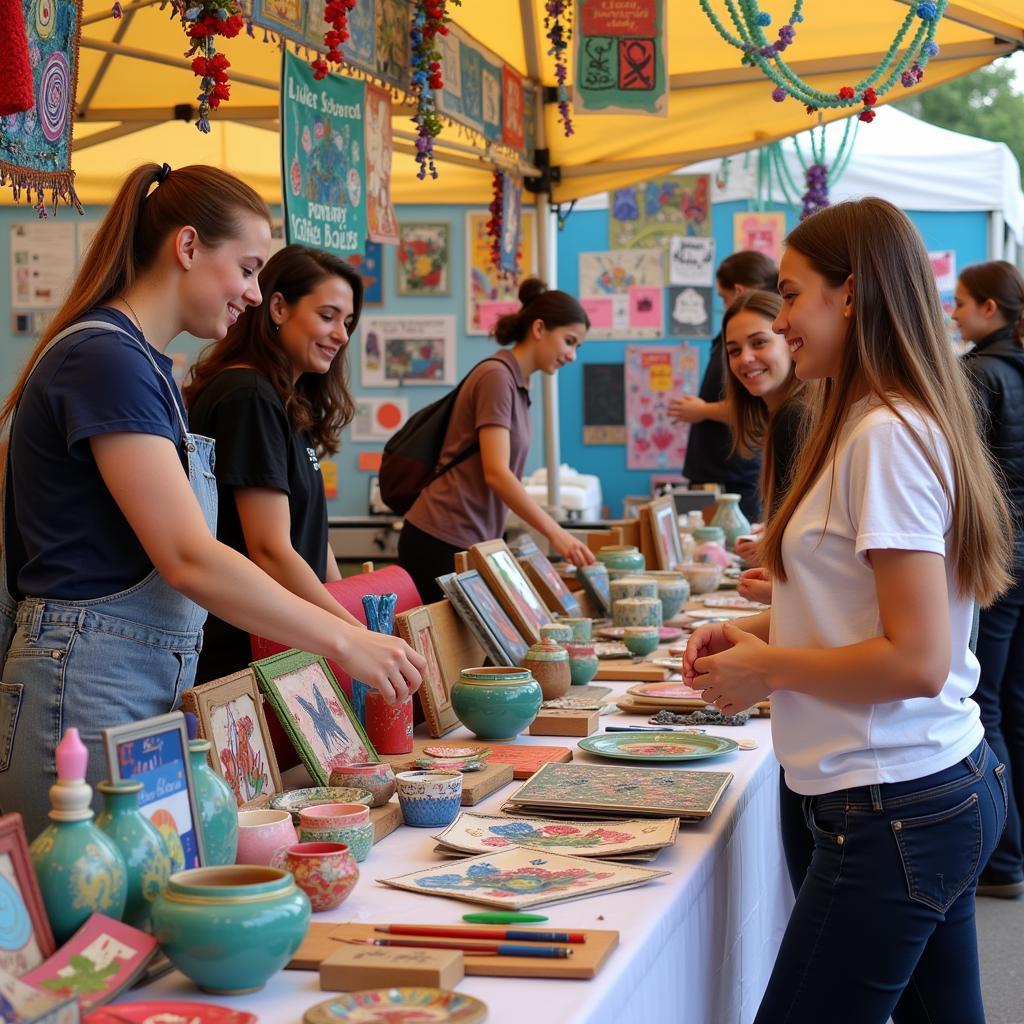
[621, 556]
[548, 663]
[583, 663]
[729, 516]
[230, 928]
[218, 812]
[496, 703]
[145, 853]
[80, 869]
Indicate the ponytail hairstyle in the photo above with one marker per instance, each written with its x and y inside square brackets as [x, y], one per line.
[554, 308]
[750, 269]
[897, 350]
[317, 404]
[133, 231]
[1002, 283]
[749, 416]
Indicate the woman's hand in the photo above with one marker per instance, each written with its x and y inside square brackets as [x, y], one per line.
[735, 678]
[688, 409]
[756, 585]
[387, 663]
[704, 641]
[747, 549]
[571, 549]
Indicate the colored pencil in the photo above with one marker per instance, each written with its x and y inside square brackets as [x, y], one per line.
[481, 949]
[457, 932]
[502, 917]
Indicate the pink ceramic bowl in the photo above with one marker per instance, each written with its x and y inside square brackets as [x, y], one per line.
[324, 816]
[261, 833]
[325, 872]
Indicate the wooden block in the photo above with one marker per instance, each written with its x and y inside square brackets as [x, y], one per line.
[629, 530]
[316, 947]
[475, 785]
[385, 819]
[525, 760]
[597, 539]
[554, 722]
[642, 672]
[352, 967]
[462, 561]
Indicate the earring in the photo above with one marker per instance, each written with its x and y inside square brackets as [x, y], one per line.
[275, 326]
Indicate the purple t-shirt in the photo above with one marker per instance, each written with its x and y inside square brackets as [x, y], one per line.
[458, 507]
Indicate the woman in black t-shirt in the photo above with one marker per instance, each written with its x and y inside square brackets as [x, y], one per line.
[274, 395]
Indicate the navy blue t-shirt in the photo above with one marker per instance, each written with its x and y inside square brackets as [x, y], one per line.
[67, 539]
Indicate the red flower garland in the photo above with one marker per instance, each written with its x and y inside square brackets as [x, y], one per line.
[336, 15]
[494, 222]
[202, 22]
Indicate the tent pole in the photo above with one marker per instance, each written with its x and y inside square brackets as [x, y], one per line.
[996, 235]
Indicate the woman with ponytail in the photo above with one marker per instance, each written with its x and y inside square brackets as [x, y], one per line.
[109, 500]
[491, 421]
[989, 311]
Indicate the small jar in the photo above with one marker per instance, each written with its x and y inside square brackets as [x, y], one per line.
[583, 663]
[549, 665]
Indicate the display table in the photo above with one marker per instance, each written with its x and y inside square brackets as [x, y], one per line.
[695, 946]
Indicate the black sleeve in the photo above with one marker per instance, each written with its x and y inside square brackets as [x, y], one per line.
[785, 428]
[252, 434]
[986, 393]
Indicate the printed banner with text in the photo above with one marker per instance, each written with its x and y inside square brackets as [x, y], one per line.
[323, 159]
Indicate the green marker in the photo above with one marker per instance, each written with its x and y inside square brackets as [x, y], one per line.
[502, 917]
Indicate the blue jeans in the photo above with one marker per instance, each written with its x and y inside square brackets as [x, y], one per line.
[884, 921]
[1000, 695]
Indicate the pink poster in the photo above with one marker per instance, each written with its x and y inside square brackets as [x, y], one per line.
[762, 232]
[655, 374]
[646, 307]
[601, 313]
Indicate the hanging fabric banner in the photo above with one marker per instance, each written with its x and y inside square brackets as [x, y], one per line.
[513, 124]
[620, 57]
[35, 144]
[381, 222]
[322, 153]
[511, 223]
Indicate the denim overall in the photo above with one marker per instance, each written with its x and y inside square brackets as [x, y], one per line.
[96, 663]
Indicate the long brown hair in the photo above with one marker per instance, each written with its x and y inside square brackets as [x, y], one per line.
[1002, 283]
[897, 349]
[749, 417]
[318, 404]
[131, 234]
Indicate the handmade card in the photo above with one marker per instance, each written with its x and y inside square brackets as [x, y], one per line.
[519, 878]
[510, 586]
[25, 1004]
[483, 833]
[25, 936]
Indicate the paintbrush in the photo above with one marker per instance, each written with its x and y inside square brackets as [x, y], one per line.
[473, 948]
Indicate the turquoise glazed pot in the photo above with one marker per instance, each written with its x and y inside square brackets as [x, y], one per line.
[581, 628]
[640, 640]
[583, 663]
[621, 556]
[637, 611]
[709, 535]
[218, 812]
[230, 928]
[496, 703]
[730, 518]
[674, 592]
[141, 845]
[632, 586]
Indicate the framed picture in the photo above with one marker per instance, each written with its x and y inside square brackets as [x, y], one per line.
[487, 620]
[668, 546]
[545, 579]
[27, 938]
[429, 638]
[423, 255]
[594, 581]
[510, 585]
[314, 711]
[230, 715]
[155, 753]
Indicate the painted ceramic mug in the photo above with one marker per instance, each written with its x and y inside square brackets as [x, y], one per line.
[389, 726]
[325, 872]
[377, 779]
[583, 663]
[429, 799]
[261, 834]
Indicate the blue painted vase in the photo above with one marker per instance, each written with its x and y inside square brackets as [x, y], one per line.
[230, 928]
[496, 703]
[145, 853]
[218, 812]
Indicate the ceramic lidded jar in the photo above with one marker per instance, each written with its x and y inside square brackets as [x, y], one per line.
[621, 556]
[218, 812]
[230, 928]
[583, 663]
[377, 779]
[673, 591]
[633, 586]
[549, 665]
[143, 848]
[496, 703]
[729, 516]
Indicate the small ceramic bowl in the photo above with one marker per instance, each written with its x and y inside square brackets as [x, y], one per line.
[297, 800]
[377, 779]
[323, 816]
[261, 833]
[640, 640]
[325, 872]
[357, 837]
[556, 633]
[429, 799]
[581, 628]
[703, 577]
[633, 586]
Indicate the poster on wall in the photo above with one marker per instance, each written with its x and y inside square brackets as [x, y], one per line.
[322, 154]
[489, 293]
[622, 293]
[689, 311]
[392, 41]
[604, 404]
[381, 222]
[944, 268]
[513, 113]
[398, 350]
[761, 232]
[655, 374]
[42, 263]
[691, 261]
[647, 215]
[370, 264]
[511, 222]
[620, 57]
[377, 419]
[422, 259]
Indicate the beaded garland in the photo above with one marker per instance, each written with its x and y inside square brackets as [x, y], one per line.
[750, 22]
[202, 23]
[430, 19]
[558, 29]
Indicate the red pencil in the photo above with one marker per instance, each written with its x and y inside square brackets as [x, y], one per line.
[480, 948]
[439, 931]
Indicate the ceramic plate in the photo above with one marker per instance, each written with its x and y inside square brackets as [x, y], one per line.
[398, 1006]
[677, 650]
[732, 601]
[296, 800]
[657, 746]
[672, 664]
[721, 614]
[672, 691]
[612, 649]
[166, 1012]
[461, 753]
[666, 634]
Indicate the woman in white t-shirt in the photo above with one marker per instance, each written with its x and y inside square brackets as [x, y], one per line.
[892, 528]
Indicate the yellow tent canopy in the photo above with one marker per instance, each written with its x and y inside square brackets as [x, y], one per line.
[135, 86]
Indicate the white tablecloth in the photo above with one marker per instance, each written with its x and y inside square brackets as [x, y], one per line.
[695, 946]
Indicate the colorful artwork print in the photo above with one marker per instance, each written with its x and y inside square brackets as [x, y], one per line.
[654, 376]
[407, 350]
[519, 588]
[513, 125]
[546, 577]
[490, 293]
[477, 592]
[381, 222]
[370, 265]
[519, 877]
[163, 1011]
[392, 39]
[423, 256]
[240, 750]
[649, 214]
[759, 232]
[25, 937]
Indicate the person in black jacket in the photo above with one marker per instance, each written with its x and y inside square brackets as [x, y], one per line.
[990, 313]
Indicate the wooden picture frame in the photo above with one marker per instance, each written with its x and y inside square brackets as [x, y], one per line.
[229, 713]
[314, 711]
[28, 939]
[546, 580]
[480, 610]
[423, 258]
[511, 586]
[154, 752]
[433, 631]
[665, 539]
[594, 581]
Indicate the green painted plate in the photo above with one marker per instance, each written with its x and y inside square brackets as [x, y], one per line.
[657, 746]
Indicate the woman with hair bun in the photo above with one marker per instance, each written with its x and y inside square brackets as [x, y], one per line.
[989, 312]
[469, 503]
